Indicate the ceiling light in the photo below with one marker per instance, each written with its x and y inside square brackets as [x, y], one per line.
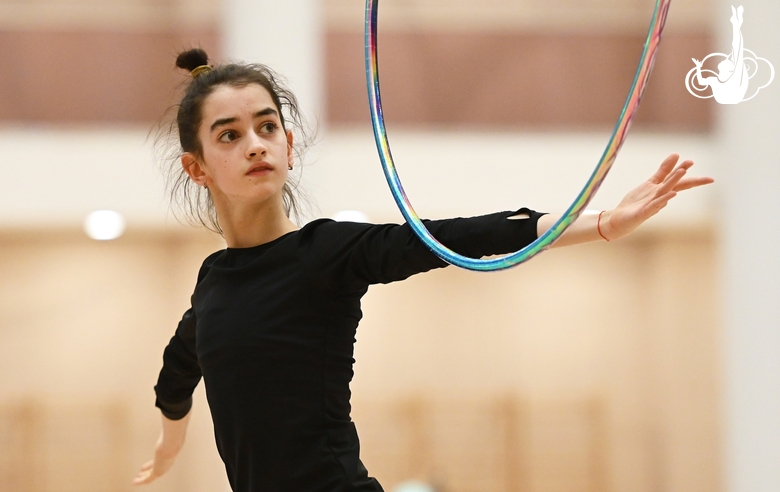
[104, 225]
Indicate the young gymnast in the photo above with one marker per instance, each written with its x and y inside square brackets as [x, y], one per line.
[273, 318]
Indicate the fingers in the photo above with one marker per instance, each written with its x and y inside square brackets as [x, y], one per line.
[677, 181]
[688, 183]
[686, 164]
[653, 195]
[674, 185]
[680, 182]
[673, 178]
[144, 478]
[146, 474]
[666, 167]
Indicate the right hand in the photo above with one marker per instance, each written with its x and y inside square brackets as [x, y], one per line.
[168, 446]
[157, 466]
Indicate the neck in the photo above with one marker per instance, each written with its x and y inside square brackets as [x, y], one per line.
[250, 225]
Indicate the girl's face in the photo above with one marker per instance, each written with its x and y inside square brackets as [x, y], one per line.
[246, 153]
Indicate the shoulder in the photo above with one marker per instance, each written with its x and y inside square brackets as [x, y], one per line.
[212, 258]
[208, 263]
[331, 230]
[327, 241]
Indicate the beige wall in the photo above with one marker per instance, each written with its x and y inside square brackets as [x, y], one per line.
[591, 368]
[751, 265]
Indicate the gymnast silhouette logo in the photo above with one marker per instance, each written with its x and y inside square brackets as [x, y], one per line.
[735, 71]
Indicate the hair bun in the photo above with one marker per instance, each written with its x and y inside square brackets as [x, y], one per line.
[191, 59]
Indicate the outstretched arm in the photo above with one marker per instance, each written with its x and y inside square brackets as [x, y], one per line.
[168, 446]
[636, 207]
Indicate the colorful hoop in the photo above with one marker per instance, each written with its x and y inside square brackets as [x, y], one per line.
[545, 240]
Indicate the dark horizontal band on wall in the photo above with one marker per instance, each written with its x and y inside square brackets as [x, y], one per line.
[544, 81]
[92, 76]
[428, 78]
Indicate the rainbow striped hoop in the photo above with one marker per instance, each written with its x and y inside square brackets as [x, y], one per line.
[577, 207]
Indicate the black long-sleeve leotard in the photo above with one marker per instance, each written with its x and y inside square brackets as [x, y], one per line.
[271, 330]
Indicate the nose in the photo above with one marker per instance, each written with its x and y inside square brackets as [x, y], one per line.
[256, 146]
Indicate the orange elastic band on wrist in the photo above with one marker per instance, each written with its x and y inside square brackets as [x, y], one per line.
[598, 227]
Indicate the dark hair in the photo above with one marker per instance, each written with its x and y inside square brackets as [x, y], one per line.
[192, 201]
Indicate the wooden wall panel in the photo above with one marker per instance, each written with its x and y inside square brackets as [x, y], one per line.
[502, 443]
[77, 76]
[594, 347]
[82, 327]
[48, 447]
[514, 80]
[455, 79]
[20, 447]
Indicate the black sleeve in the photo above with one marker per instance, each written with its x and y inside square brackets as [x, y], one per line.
[390, 252]
[180, 373]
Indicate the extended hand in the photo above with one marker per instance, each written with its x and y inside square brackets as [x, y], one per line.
[155, 468]
[647, 199]
[151, 471]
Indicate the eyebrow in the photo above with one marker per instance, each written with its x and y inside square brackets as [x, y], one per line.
[227, 121]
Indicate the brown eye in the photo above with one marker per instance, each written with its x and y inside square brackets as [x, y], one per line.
[268, 127]
[228, 136]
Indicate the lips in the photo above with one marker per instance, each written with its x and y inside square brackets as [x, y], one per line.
[260, 169]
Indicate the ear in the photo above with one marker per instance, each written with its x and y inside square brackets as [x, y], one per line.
[194, 169]
[290, 153]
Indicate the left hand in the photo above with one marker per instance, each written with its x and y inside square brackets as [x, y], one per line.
[647, 199]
